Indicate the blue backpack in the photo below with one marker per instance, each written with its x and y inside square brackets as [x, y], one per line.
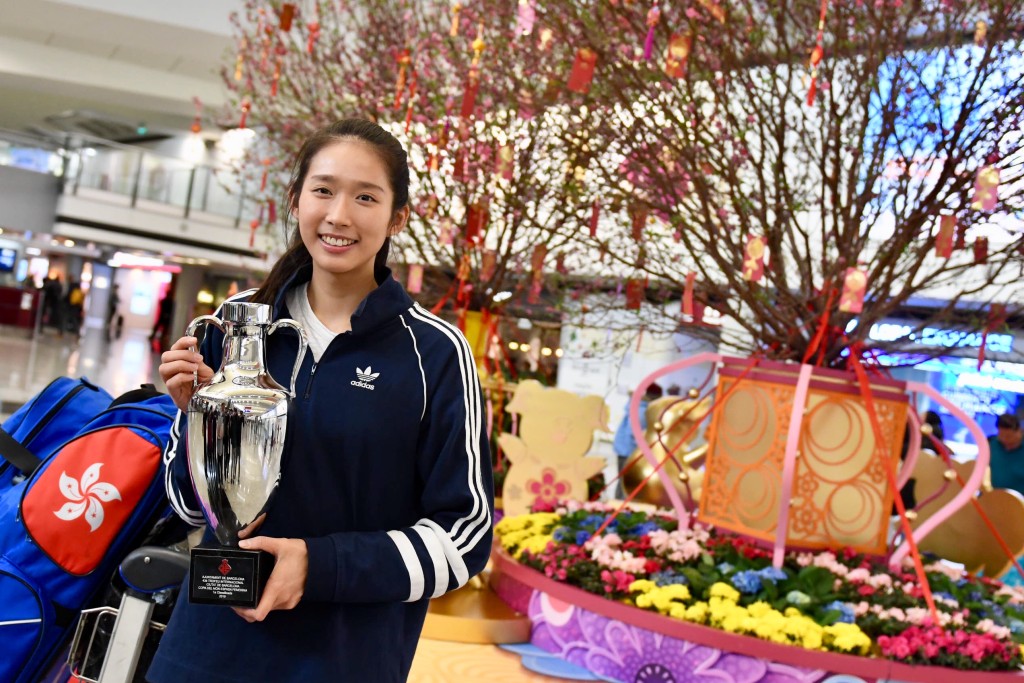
[49, 419]
[65, 526]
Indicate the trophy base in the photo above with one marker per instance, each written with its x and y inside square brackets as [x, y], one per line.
[228, 576]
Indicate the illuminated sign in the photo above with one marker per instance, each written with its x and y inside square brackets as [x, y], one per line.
[941, 338]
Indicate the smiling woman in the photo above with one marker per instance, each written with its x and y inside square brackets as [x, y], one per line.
[385, 499]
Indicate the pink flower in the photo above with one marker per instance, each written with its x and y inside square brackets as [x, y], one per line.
[548, 490]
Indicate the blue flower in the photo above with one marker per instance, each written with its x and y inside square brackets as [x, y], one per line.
[561, 534]
[846, 614]
[772, 574]
[724, 567]
[747, 582]
[582, 537]
[644, 528]
[667, 577]
[1016, 626]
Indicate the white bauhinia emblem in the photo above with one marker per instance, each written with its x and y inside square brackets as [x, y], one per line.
[86, 496]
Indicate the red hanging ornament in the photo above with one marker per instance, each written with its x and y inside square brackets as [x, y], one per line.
[488, 264]
[478, 45]
[595, 213]
[986, 189]
[469, 94]
[582, 70]
[687, 302]
[981, 250]
[504, 162]
[944, 240]
[287, 14]
[753, 259]
[477, 216]
[271, 212]
[254, 225]
[677, 55]
[635, 289]
[639, 221]
[414, 283]
[314, 29]
[817, 54]
[996, 320]
[266, 168]
[854, 287]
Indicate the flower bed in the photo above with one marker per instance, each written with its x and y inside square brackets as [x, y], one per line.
[843, 603]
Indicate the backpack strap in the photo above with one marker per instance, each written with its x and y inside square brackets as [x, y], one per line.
[13, 452]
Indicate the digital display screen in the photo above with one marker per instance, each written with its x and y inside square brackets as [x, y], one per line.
[8, 257]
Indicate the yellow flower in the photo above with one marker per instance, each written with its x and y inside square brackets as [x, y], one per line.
[535, 544]
[847, 638]
[725, 591]
[642, 586]
[697, 613]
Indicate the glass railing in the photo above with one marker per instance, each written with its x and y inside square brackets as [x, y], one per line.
[137, 173]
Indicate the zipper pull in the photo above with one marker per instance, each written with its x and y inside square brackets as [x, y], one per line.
[309, 384]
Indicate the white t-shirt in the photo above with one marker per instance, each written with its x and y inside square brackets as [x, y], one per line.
[317, 334]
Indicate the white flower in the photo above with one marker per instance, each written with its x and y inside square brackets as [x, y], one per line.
[86, 496]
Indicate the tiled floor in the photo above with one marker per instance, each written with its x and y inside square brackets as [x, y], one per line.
[28, 362]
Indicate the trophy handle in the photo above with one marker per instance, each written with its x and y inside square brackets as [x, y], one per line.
[190, 331]
[288, 322]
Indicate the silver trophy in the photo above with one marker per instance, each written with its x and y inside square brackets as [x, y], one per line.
[236, 432]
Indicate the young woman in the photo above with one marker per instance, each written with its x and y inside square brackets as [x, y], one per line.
[385, 499]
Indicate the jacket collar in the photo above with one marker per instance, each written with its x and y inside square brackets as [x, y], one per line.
[380, 306]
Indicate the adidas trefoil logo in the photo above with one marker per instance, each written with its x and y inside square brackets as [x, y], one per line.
[365, 378]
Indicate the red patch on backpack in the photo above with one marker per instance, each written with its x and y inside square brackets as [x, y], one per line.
[78, 505]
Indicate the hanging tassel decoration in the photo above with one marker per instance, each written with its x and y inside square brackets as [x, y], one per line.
[981, 250]
[454, 30]
[478, 45]
[197, 121]
[412, 100]
[314, 30]
[653, 15]
[266, 169]
[271, 212]
[280, 50]
[240, 59]
[246, 106]
[817, 54]
[403, 60]
[254, 225]
[595, 213]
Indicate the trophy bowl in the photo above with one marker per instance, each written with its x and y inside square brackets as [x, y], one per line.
[237, 423]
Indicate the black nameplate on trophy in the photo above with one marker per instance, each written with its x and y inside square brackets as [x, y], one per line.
[228, 576]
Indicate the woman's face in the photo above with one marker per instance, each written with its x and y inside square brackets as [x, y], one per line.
[344, 209]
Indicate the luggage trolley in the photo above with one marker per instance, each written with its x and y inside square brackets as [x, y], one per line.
[110, 641]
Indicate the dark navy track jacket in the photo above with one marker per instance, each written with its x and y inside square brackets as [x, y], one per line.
[386, 475]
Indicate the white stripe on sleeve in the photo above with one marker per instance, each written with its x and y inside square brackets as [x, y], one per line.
[412, 564]
[438, 559]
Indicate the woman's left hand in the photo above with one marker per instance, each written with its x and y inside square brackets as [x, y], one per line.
[288, 579]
